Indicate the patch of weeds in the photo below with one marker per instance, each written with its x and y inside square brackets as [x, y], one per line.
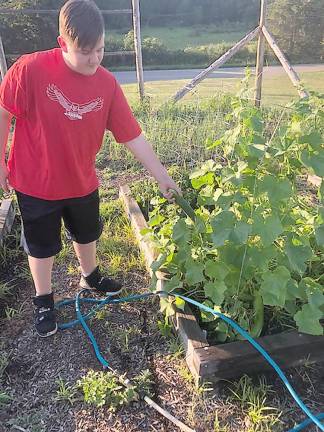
[4, 399]
[175, 348]
[5, 290]
[252, 399]
[72, 270]
[10, 312]
[124, 336]
[144, 383]
[101, 314]
[217, 426]
[66, 392]
[64, 255]
[165, 328]
[25, 274]
[103, 388]
[31, 422]
[185, 373]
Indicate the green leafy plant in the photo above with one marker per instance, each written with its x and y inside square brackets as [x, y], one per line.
[103, 388]
[257, 242]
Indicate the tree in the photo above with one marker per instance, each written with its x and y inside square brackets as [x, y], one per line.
[298, 27]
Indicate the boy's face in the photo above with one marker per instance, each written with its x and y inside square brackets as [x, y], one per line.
[82, 60]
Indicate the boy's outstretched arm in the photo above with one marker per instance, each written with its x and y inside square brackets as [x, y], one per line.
[5, 121]
[144, 153]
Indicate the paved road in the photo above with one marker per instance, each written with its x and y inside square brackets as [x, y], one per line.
[236, 72]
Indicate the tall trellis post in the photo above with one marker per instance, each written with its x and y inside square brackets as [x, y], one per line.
[138, 47]
[260, 56]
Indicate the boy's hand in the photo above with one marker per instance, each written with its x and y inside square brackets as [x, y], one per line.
[165, 185]
[4, 177]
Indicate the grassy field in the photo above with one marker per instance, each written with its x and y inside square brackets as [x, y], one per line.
[276, 89]
[181, 37]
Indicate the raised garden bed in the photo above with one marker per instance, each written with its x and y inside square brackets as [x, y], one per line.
[7, 216]
[223, 361]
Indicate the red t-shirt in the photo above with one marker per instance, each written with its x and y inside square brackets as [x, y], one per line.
[61, 117]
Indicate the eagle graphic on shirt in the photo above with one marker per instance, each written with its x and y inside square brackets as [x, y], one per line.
[73, 110]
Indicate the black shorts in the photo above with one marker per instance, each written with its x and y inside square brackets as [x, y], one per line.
[41, 220]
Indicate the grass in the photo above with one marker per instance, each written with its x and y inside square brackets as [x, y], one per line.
[277, 89]
[175, 38]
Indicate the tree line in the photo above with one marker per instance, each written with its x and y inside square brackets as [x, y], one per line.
[297, 25]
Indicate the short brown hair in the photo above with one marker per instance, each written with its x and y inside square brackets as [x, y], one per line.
[81, 21]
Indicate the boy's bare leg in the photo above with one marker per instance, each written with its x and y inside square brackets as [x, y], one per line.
[86, 254]
[41, 270]
[91, 275]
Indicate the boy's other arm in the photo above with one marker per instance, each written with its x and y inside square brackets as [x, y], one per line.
[5, 121]
[143, 152]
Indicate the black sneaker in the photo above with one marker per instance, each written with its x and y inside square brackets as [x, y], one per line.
[103, 285]
[44, 315]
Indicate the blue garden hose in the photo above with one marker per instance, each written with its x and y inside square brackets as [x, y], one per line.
[109, 300]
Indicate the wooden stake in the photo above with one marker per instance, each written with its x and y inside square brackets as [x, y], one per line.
[3, 62]
[285, 63]
[260, 57]
[138, 47]
[229, 54]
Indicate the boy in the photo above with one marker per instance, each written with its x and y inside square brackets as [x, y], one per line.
[63, 100]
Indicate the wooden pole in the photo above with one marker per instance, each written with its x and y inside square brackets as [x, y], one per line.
[138, 47]
[3, 63]
[187, 88]
[260, 56]
[285, 63]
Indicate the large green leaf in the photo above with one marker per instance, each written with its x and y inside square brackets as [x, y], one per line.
[315, 293]
[194, 272]
[215, 291]
[319, 235]
[314, 160]
[298, 254]
[307, 320]
[222, 225]
[240, 232]
[208, 166]
[172, 283]
[181, 232]
[276, 189]
[259, 257]
[267, 228]
[207, 179]
[216, 270]
[274, 287]
[314, 139]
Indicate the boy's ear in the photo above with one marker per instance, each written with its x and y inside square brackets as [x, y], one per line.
[62, 43]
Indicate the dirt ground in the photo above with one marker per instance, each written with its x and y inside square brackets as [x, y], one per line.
[35, 365]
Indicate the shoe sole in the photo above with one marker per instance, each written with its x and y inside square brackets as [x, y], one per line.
[83, 284]
[51, 333]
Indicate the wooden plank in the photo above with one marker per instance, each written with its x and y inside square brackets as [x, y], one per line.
[138, 47]
[138, 223]
[7, 216]
[56, 11]
[260, 56]
[219, 62]
[285, 63]
[233, 359]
